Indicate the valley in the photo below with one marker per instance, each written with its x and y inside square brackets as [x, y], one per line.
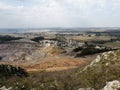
[59, 60]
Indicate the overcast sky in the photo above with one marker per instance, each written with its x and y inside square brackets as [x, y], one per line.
[59, 13]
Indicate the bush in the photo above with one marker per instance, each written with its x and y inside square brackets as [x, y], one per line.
[77, 49]
[90, 49]
[37, 39]
[8, 38]
[9, 70]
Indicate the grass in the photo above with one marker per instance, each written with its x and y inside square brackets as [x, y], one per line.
[63, 80]
[92, 38]
[114, 44]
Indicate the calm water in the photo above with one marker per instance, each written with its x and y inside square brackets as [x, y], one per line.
[18, 30]
[11, 30]
[2, 31]
[27, 30]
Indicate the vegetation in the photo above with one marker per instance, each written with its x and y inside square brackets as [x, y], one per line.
[37, 39]
[56, 50]
[90, 49]
[113, 44]
[9, 71]
[92, 38]
[8, 38]
[96, 76]
[63, 80]
[77, 49]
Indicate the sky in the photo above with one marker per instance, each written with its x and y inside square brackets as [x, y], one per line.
[59, 13]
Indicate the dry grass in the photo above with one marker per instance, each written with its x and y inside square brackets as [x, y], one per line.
[56, 65]
[52, 50]
[114, 44]
[92, 38]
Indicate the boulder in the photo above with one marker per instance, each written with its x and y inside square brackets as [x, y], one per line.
[112, 85]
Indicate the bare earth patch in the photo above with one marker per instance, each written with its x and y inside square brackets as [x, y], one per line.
[56, 65]
[52, 63]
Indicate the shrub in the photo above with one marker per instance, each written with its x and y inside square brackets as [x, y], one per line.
[37, 39]
[9, 38]
[9, 70]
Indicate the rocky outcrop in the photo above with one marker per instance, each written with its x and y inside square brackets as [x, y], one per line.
[4, 88]
[107, 57]
[112, 85]
[86, 88]
[20, 51]
[61, 43]
[105, 68]
[13, 51]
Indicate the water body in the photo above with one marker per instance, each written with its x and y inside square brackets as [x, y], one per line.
[30, 30]
[5, 31]
[2, 31]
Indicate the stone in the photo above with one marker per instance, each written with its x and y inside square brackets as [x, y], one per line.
[112, 85]
[86, 88]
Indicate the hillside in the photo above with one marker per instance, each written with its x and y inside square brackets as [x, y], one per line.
[103, 73]
[105, 68]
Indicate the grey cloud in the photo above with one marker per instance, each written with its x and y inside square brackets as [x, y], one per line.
[51, 13]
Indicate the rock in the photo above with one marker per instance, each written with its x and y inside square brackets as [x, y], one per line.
[10, 88]
[104, 57]
[86, 88]
[113, 85]
[4, 88]
[93, 63]
[1, 85]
